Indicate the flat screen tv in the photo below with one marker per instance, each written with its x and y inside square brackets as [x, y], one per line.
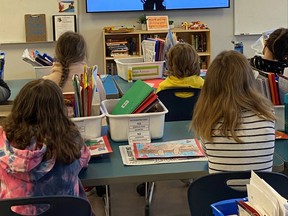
[98, 6]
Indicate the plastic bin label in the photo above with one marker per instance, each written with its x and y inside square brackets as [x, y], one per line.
[139, 131]
[145, 71]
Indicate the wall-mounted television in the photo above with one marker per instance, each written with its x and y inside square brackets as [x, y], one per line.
[98, 6]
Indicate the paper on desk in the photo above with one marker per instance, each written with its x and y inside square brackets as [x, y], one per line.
[264, 197]
[129, 159]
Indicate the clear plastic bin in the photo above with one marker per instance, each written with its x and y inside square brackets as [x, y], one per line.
[140, 69]
[119, 124]
[90, 126]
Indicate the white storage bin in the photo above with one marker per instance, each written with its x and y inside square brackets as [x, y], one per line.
[42, 71]
[119, 124]
[140, 69]
[280, 122]
[90, 126]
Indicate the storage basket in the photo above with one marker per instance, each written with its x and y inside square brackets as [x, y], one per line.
[140, 69]
[119, 124]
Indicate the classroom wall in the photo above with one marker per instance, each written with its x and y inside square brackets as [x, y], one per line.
[220, 21]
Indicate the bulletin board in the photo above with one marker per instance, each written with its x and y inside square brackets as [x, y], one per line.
[12, 21]
[257, 16]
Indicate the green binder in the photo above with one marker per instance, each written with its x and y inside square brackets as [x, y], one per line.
[132, 98]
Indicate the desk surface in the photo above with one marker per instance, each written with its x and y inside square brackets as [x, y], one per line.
[15, 86]
[110, 169]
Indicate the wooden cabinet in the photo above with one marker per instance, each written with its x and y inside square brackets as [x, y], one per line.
[129, 45]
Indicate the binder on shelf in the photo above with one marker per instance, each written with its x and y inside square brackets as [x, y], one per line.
[35, 27]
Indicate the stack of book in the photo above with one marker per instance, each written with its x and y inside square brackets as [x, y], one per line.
[117, 48]
[140, 98]
[273, 86]
[35, 58]
[199, 41]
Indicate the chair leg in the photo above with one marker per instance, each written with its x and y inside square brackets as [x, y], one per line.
[106, 199]
[149, 189]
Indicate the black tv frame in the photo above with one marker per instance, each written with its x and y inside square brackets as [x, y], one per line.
[222, 7]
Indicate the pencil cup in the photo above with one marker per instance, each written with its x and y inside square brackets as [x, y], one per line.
[286, 112]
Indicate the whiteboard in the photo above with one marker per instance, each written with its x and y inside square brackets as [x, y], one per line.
[12, 21]
[258, 16]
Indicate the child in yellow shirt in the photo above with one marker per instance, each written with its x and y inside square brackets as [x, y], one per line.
[183, 69]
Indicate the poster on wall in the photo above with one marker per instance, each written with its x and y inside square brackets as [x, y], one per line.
[63, 23]
[66, 6]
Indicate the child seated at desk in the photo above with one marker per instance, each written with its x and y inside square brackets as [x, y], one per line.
[41, 149]
[275, 53]
[183, 69]
[235, 123]
[70, 55]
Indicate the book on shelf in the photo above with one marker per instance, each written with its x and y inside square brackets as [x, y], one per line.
[131, 100]
[176, 148]
[268, 85]
[98, 146]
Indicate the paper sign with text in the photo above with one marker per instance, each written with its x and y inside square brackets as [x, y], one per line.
[157, 23]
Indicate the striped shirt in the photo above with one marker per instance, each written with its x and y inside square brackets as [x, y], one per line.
[254, 153]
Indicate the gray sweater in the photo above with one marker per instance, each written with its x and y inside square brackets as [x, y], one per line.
[5, 91]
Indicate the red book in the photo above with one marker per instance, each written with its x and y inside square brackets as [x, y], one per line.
[271, 85]
[149, 100]
[275, 88]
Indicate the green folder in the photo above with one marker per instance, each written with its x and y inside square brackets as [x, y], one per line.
[132, 98]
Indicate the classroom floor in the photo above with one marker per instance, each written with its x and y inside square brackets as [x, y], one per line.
[169, 199]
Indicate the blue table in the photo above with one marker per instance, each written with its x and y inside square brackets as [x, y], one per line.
[110, 169]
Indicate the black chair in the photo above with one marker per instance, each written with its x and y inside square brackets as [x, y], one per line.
[213, 188]
[178, 108]
[57, 205]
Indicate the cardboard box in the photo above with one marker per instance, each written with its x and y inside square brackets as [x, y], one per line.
[90, 126]
[140, 69]
[119, 124]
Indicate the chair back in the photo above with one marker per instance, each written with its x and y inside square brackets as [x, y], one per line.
[178, 108]
[56, 205]
[213, 188]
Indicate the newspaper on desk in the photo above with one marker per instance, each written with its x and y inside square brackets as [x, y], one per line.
[129, 159]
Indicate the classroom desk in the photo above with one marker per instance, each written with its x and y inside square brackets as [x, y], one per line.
[15, 86]
[110, 169]
[122, 84]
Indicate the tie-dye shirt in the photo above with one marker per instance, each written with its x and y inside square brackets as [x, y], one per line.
[24, 174]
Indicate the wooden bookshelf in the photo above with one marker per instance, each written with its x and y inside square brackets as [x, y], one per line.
[199, 38]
